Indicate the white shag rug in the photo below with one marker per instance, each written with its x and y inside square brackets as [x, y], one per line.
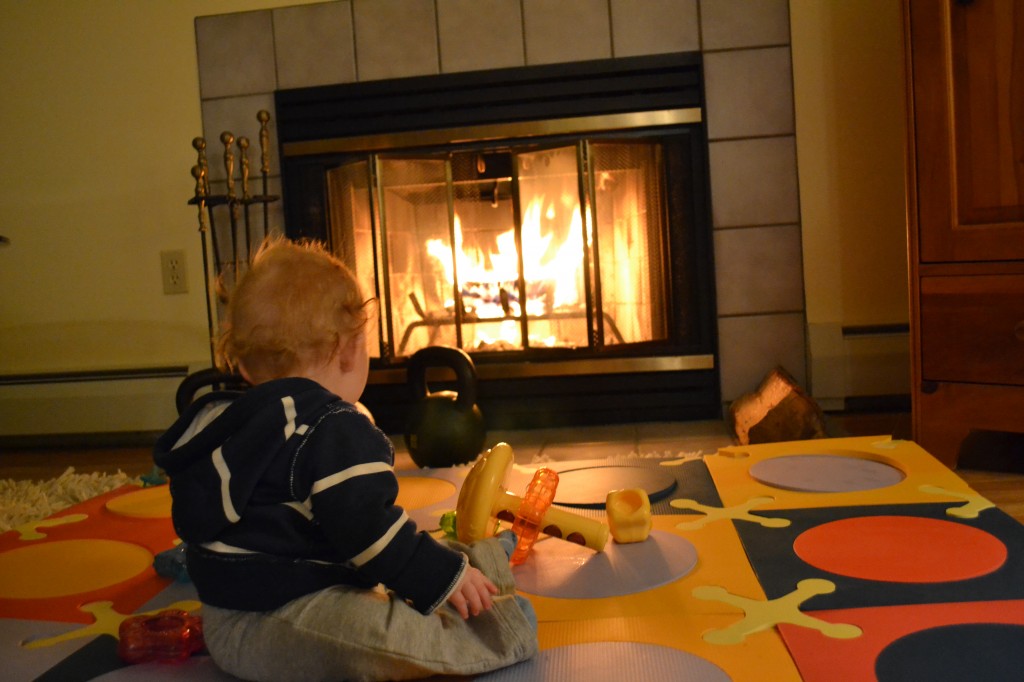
[22, 502]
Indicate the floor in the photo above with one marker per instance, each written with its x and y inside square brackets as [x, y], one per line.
[991, 467]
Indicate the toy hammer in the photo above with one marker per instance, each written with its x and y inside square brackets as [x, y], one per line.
[483, 497]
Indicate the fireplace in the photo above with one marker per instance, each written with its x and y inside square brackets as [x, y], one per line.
[551, 221]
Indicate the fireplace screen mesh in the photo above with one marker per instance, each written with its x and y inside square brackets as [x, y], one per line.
[505, 250]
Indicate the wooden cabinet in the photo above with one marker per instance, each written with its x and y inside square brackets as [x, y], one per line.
[965, 80]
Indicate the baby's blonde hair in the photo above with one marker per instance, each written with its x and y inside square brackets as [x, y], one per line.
[290, 310]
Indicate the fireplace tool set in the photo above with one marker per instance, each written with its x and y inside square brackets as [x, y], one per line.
[231, 244]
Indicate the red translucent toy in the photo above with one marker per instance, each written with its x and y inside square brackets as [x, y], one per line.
[536, 502]
[170, 636]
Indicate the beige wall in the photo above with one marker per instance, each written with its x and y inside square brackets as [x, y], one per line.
[99, 104]
[849, 100]
[848, 86]
[100, 100]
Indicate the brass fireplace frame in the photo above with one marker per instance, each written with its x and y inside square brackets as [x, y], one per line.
[495, 132]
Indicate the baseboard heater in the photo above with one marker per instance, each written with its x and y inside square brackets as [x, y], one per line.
[177, 371]
[854, 331]
[128, 400]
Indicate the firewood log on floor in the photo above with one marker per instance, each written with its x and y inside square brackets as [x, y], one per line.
[779, 410]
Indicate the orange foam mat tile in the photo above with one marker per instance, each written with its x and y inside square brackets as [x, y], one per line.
[99, 550]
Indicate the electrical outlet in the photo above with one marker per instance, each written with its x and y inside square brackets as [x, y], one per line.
[172, 269]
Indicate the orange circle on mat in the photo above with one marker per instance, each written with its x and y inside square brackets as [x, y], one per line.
[58, 569]
[148, 503]
[416, 492]
[901, 549]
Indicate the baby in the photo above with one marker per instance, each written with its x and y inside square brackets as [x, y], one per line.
[285, 496]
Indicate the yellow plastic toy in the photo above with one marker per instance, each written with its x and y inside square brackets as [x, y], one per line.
[629, 514]
[483, 497]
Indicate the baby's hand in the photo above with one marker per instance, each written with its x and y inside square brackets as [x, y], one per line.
[472, 596]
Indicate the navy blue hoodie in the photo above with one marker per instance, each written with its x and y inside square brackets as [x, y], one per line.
[290, 490]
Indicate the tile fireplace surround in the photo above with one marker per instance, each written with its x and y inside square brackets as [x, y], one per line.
[245, 57]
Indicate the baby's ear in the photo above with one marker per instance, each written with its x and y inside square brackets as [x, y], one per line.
[346, 352]
[245, 373]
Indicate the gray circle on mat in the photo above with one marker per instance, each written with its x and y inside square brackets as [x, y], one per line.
[589, 486]
[611, 662]
[566, 570]
[825, 473]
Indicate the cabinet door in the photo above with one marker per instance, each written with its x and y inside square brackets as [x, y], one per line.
[972, 329]
[968, 82]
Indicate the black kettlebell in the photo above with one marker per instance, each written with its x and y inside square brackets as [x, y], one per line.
[444, 428]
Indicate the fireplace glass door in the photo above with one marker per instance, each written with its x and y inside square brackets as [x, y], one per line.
[508, 250]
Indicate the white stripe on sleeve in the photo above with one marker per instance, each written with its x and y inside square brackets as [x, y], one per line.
[225, 486]
[377, 547]
[289, 413]
[346, 474]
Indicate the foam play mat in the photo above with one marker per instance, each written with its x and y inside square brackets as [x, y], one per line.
[788, 561]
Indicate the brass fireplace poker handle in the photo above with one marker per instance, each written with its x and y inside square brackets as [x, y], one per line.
[200, 173]
[199, 144]
[200, 176]
[197, 173]
[227, 139]
[243, 155]
[263, 116]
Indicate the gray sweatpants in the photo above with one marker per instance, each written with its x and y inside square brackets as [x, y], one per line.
[345, 633]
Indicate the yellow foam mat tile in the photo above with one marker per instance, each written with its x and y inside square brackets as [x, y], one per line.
[721, 562]
[762, 656]
[925, 478]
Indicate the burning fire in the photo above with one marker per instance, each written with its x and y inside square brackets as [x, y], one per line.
[489, 280]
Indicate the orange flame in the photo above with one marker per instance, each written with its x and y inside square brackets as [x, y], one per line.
[555, 279]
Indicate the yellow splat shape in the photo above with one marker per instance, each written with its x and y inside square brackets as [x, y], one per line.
[975, 502]
[108, 621]
[30, 531]
[761, 615]
[740, 512]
